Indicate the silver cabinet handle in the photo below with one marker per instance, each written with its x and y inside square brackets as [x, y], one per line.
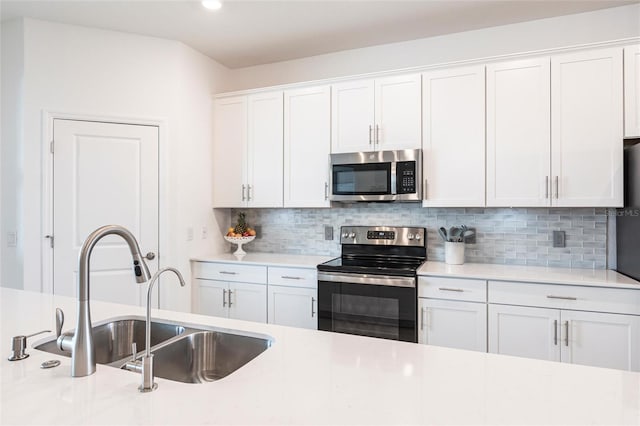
[561, 297]
[150, 256]
[248, 192]
[370, 131]
[313, 301]
[228, 273]
[566, 335]
[224, 298]
[557, 187]
[555, 332]
[377, 141]
[290, 277]
[230, 297]
[459, 290]
[326, 191]
[422, 318]
[243, 197]
[546, 187]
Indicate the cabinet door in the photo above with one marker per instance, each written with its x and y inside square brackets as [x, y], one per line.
[601, 340]
[248, 302]
[461, 325]
[632, 91]
[229, 151]
[293, 306]
[453, 104]
[265, 147]
[398, 109]
[523, 331]
[307, 142]
[352, 116]
[586, 132]
[212, 298]
[518, 133]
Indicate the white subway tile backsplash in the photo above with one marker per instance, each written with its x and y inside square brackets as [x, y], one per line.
[519, 236]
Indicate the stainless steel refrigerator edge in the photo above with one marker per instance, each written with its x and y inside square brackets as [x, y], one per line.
[628, 218]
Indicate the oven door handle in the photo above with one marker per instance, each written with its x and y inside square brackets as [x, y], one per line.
[367, 279]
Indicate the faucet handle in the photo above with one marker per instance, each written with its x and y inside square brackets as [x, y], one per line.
[59, 321]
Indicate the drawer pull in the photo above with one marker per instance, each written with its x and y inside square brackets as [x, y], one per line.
[290, 277]
[562, 297]
[228, 273]
[459, 290]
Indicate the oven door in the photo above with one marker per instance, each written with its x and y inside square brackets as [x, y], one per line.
[368, 305]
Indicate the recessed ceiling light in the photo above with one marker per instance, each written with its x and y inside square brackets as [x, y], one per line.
[212, 4]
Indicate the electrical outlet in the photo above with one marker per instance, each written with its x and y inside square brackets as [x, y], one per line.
[559, 239]
[190, 233]
[12, 239]
[471, 239]
[204, 232]
[328, 233]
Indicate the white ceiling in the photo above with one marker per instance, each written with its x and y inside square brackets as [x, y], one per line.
[245, 33]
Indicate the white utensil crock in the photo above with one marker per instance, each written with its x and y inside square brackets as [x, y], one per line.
[453, 253]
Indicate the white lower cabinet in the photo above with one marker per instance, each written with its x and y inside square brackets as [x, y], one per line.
[551, 331]
[461, 325]
[244, 301]
[292, 306]
[452, 312]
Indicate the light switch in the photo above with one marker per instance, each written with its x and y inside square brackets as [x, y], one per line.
[12, 239]
[190, 233]
[559, 239]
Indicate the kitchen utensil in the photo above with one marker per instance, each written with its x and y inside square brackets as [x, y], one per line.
[454, 234]
[443, 233]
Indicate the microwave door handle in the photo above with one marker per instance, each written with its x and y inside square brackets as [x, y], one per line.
[394, 179]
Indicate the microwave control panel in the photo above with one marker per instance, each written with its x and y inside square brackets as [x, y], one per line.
[406, 177]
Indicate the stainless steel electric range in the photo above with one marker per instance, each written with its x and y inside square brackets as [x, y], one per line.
[371, 289]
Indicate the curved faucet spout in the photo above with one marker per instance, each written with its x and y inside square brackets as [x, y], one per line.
[83, 357]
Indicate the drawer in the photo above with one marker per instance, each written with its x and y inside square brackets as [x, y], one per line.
[230, 272]
[452, 289]
[580, 298]
[293, 277]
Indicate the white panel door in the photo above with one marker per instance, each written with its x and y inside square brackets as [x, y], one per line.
[523, 331]
[632, 91]
[230, 152]
[248, 301]
[587, 129]
[601, 340]
[398, 118]
[307, 143]
[352, 116]
[104, 173]
[518, 133]
[461, 325]
[453, 105]
[265, 146]
[293, 306]
[212, 298]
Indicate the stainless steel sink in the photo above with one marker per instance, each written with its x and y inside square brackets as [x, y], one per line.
[182, 352]
[206, 356]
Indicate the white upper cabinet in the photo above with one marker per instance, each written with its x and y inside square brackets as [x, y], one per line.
[587, 128]
[453, 105]
[632, 91]
[247, 151]
[307, 141]
[518, 133]
[229, 151]
[371, 115]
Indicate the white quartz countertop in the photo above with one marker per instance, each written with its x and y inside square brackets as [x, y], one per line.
[268, 259]
[306, 377]
[535, 274]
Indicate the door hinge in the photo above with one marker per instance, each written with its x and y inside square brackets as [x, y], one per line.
[51, 147]
[50, 237]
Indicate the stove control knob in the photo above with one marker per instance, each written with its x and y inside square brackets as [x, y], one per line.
[352, 235]
[410, 237]
[418, 237]
[345, 235]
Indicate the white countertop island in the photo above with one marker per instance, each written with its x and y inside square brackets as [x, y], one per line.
[306, 377]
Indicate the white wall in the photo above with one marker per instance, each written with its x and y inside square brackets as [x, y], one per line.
[604, 25]
[11, 88]
[80, 70]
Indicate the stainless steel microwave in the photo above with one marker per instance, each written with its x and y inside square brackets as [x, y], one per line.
[376, 176]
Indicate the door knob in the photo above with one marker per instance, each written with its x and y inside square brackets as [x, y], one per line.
[150, 256]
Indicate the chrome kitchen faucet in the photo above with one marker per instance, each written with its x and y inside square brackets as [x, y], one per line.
[83, 354]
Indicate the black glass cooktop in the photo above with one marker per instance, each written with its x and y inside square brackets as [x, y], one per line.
[375, 265]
